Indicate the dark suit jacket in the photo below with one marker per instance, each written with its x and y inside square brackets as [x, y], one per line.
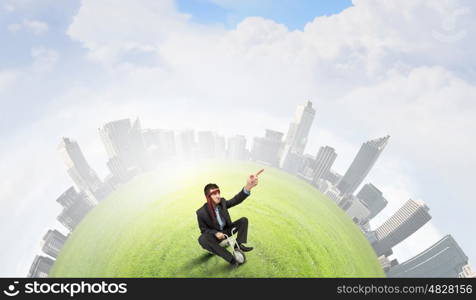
[205, 221]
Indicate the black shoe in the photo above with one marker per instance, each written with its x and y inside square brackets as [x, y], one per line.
[234, 263]
[245, 249]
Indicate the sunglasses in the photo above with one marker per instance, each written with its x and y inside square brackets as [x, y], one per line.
[214, 192]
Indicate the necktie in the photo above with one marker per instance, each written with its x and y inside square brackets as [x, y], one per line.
[220, 221]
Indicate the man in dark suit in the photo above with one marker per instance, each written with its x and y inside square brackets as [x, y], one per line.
[214, 220]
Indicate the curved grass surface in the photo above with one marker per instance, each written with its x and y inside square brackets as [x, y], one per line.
[148, 228]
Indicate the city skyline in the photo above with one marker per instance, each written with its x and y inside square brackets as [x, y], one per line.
[136, 151]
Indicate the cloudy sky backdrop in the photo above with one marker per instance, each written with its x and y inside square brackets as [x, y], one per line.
[371, 67]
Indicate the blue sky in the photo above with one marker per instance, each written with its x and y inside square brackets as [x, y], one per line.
[15, 50]
[292, 13]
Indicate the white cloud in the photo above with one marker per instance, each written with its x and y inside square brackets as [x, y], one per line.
[110, 32]
[14, 27]
[37, 27]
[34, 26]
[8, 7]
[7, 79]
[44, 59]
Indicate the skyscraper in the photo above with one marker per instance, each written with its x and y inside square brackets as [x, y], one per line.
[373, 198]
[363, 162]
[307, 167]
[299, 129]
[125, 147]
[334, 195]
[467, 272]
[297, 136]
[408, 219]
[75, 207]
[220, 146]
[386, 263]
[206, 144]
[333, 177]
[237, 147]
[40, 267]
[52, 242]
[358, 210]
[186, 144]
[115, 137]
[160, 143]
[444, 259]
[267, 149]
[84, 177]
[137, 145]
[324, 160]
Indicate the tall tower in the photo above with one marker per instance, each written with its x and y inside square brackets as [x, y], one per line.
[373, 198]
[186, 144]
[84, 177]
[115, 137]
[237, 147]
[324, 160]
[206, 144]
[75, 207]
[299, 129]
[297, 136]
[40, 267]
[125, 147]
[266, 149]
[407, 220]
[52, 242]
[444, 259]
[363, 162]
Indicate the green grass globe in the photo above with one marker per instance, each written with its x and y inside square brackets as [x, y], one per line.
[148, 228]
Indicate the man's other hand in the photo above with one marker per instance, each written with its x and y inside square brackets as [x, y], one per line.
[220, 235]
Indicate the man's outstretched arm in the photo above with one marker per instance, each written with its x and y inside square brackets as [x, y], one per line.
[251, 182]
[238, 198]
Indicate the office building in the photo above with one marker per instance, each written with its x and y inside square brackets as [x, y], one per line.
[333, 177]
[358, 211]
[407, 220]
[40, 267]
[124, 144]
[324, 160]
[206, 144]
[186, 144]
[237, 148]
[52, 242]
[220, 146]
[362, 164]
[334, 194]
[373, 199]
[443, 259]
[467, 272]
[75, 207]
[267, 149]
[160, 143]
[307, 167]
[297, 137]
[83, 176]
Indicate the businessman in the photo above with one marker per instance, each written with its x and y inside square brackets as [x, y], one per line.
[214, 220]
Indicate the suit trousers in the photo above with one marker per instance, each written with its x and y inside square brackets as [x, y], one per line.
[209, 241]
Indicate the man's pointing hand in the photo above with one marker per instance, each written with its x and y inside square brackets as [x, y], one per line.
[253, 180]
